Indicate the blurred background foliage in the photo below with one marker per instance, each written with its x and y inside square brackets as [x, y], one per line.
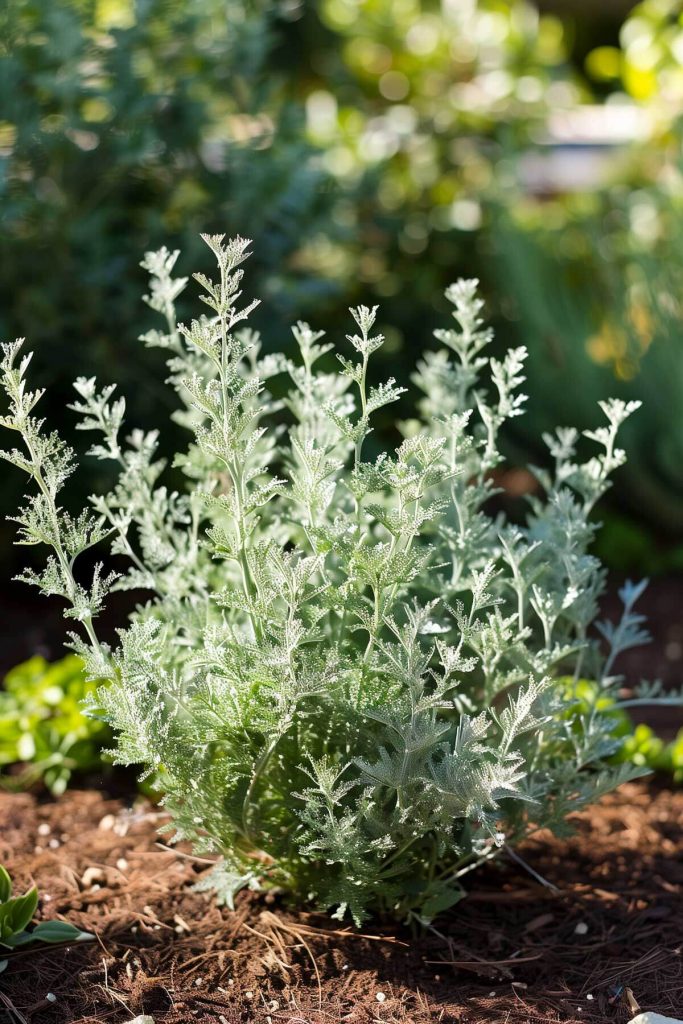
[375, 150]
[44, 735]
[127, 124]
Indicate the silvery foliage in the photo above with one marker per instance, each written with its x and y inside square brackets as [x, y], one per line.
[347, 672]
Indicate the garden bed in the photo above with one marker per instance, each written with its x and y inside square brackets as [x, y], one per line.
[514, 950]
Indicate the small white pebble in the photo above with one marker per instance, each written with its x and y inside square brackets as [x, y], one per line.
[44, 830]
[589, 996]
[491, 995]
[673, 651]
[122, 863]
[345, 967]
[222, 1019]
[249, 994]
[380, 997]
[581, 928]
[107, 823]
[231, 981]
[46, 897]
[134, 929]
[273, 1005]
[437, 977]
[519, 984]
[91, 875]
[37, 849]
[198, 981]
[54, 844]
[51, 997]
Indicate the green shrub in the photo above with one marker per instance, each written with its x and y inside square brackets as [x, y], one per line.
[42, 725]
[124, 123]
[348, 674]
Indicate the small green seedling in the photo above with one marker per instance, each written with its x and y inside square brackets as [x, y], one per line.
[16, 914]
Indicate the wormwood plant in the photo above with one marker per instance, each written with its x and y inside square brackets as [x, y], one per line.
[348, 673]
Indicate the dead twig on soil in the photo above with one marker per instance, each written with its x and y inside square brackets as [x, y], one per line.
[276, 925]
[474, 964]
[15, 1014]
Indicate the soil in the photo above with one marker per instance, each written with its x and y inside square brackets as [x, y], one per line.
[601, 934]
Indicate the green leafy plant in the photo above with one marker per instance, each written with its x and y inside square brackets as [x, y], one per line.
[639, 742]
[43, 727]
[672, 757]
[128, 121]
[643, 746]
[16, 914]
[346, 674]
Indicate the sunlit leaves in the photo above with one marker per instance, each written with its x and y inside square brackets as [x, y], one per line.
[342, 674]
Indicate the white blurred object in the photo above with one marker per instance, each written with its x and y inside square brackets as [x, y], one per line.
[609, 124]
[654, 1018]
[578, 147]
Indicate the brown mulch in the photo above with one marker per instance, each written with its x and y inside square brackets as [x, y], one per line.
[513, 951]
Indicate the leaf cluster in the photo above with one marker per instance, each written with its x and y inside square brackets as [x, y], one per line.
[16, 914]
[346, 674]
